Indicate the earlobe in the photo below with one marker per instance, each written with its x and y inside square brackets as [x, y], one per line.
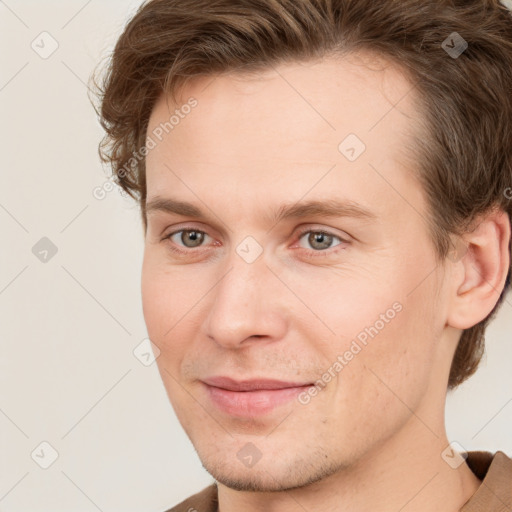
[481, 271]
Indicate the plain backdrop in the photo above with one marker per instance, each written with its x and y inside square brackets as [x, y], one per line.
[73, 395]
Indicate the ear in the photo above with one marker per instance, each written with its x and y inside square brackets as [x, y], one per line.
[479, 272]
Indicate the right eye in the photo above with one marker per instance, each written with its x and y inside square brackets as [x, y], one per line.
[189, 238]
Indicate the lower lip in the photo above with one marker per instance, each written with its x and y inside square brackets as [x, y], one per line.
[252, 403]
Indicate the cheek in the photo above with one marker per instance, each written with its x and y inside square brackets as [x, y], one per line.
[155, 300]
[396, 365]
[386, 337]
[167, 296]
[165, 301]
[172, 298]
[379, 386]
[356, 309]
[154, 306]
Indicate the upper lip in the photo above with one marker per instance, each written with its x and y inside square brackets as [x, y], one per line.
[251, 385]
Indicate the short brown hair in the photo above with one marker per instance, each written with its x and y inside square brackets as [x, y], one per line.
[463, 157]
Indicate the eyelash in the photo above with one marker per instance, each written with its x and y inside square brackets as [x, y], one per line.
[309, 252]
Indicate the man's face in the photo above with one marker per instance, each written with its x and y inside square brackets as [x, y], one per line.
[366, 294]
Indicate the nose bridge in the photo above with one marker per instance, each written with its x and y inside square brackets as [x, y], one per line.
[243, 303]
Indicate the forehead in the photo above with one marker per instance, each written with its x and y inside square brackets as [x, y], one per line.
[281, 131]
[319, 89]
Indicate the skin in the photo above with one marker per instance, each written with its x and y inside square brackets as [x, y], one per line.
[372, 438]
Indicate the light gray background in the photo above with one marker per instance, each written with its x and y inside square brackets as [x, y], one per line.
[68, 327]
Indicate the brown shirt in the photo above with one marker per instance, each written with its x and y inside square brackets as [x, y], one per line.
[493, 495]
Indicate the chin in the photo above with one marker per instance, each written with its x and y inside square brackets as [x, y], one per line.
[268, 476]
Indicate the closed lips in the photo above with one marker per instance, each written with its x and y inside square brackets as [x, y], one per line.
[251, 385]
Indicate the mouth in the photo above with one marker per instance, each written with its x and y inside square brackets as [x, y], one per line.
[251, 397]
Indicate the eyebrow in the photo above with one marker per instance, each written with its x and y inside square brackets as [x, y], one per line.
[326, 208]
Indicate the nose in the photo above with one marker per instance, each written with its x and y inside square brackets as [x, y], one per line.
[247, 305]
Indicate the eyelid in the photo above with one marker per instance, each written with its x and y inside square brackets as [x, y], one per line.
[327, 231]
[185, 227]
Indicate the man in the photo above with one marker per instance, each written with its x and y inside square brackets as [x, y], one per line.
[323, 186]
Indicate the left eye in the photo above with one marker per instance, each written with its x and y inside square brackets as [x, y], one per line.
[320, 240]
